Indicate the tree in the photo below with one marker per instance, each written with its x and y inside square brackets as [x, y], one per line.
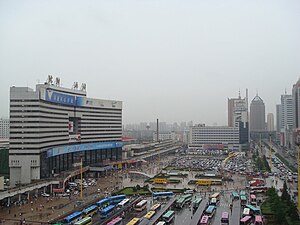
[285, 195]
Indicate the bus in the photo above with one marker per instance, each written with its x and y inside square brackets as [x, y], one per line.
[168, 216]
[103, 203]
[73, 218]
[155, 207]
[123, 202]
[141, 206]
[84, 221]
[196, 202]
[156, 195]
[149, 215]
[134, 221]
[213, 201]
[90, 211]
[183, 200]
[235, 195]
[225, 218]
[242, 193]
[253, 210]
[161, 223]
[116, 199]
[245, 220]
[215, 195]
[246, 212]
[106, 211]
[243, 200]
[258, 220]
[115, 221]
[204, 220]
[210, 211]
[208, 182]
[253, 199]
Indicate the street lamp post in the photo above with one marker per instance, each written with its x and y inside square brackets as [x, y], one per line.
[298, 177]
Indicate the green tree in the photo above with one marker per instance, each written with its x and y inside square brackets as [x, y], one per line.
[285, 195]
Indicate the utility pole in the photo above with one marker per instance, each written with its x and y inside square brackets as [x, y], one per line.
[81, 178]
[270, 152]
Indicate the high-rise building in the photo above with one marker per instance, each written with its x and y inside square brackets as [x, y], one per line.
[296, 104]
[53, 127]
[257, 115]
[278, 117]
[286, 112]
[237, 111]
[270, 122]
[4, 128]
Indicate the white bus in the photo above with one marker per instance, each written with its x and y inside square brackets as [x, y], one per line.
[141, 206]
[123, 202]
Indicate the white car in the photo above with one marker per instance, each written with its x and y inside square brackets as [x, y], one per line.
[45, 195]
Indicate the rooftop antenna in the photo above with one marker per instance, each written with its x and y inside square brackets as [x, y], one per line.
[285, 91]
[239, 93]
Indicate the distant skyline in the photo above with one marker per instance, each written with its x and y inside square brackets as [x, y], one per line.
[173, 60]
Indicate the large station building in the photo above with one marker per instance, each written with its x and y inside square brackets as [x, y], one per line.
[52, 128]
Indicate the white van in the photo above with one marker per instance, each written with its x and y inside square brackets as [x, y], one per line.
[189, 192]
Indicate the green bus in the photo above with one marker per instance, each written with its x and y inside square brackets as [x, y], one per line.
[242, 193]
[243, 200]
[168, 216]
[197, 202]
[235, 195]
[84, 221]
[183, 200]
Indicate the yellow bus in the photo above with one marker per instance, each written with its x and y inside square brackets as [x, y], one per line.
[160, 181]
[215, 195]
[134, 221]
[149, 215]
[208, 182]
[155, 207]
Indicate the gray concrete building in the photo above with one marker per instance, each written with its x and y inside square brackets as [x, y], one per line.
[4, 128]
[52, 128]
[257, 115]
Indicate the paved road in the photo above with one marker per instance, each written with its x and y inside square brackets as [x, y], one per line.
[236, 213]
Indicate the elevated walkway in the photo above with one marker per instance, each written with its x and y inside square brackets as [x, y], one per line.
[141, 173]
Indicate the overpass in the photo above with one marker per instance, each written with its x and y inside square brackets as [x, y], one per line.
[21, 190]
[141, 173]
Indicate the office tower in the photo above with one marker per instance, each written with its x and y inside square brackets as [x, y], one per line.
[278, 117]
[296, 104]
[270, 122]
[286, 120]
[53, 127]
[237, 111]
[4, 128]
[257, 115]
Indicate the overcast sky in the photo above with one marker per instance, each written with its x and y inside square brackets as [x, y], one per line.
[167, 59]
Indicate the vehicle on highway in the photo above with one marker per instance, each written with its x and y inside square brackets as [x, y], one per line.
[213, 201]
[245, 220]
[169, 216]
[235, 195]
[115, 221]
[196, 202]
[210, 211]
[204, 220]
[103, 203]
[155, 207]
[253, 199]
[243, 200]
[149, 215]
[84, 221]
[253, 210]
[161, 223]
[123, 202]
[258, 220]
[215, 195]
[157, 195]
[90, 211]
[246, 212]
[225, 218]
[134, 221]
[116, 199]
[45, 195]
[183, 200]
[140, 206]
[73, 218]
[106, 211]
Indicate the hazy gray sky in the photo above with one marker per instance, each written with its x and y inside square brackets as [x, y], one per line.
[167, 59]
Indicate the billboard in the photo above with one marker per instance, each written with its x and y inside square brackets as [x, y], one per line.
[82, 147]
[213, 147]
[60, 98]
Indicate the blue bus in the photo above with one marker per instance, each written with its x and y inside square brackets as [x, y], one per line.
[156, 195]
[106, 211]
[90, 211]
[73, 218]
[103, 203]
[210, 211]
[116, 199]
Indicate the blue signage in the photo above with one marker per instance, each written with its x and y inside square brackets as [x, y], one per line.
[60, 98]
[82, 147]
